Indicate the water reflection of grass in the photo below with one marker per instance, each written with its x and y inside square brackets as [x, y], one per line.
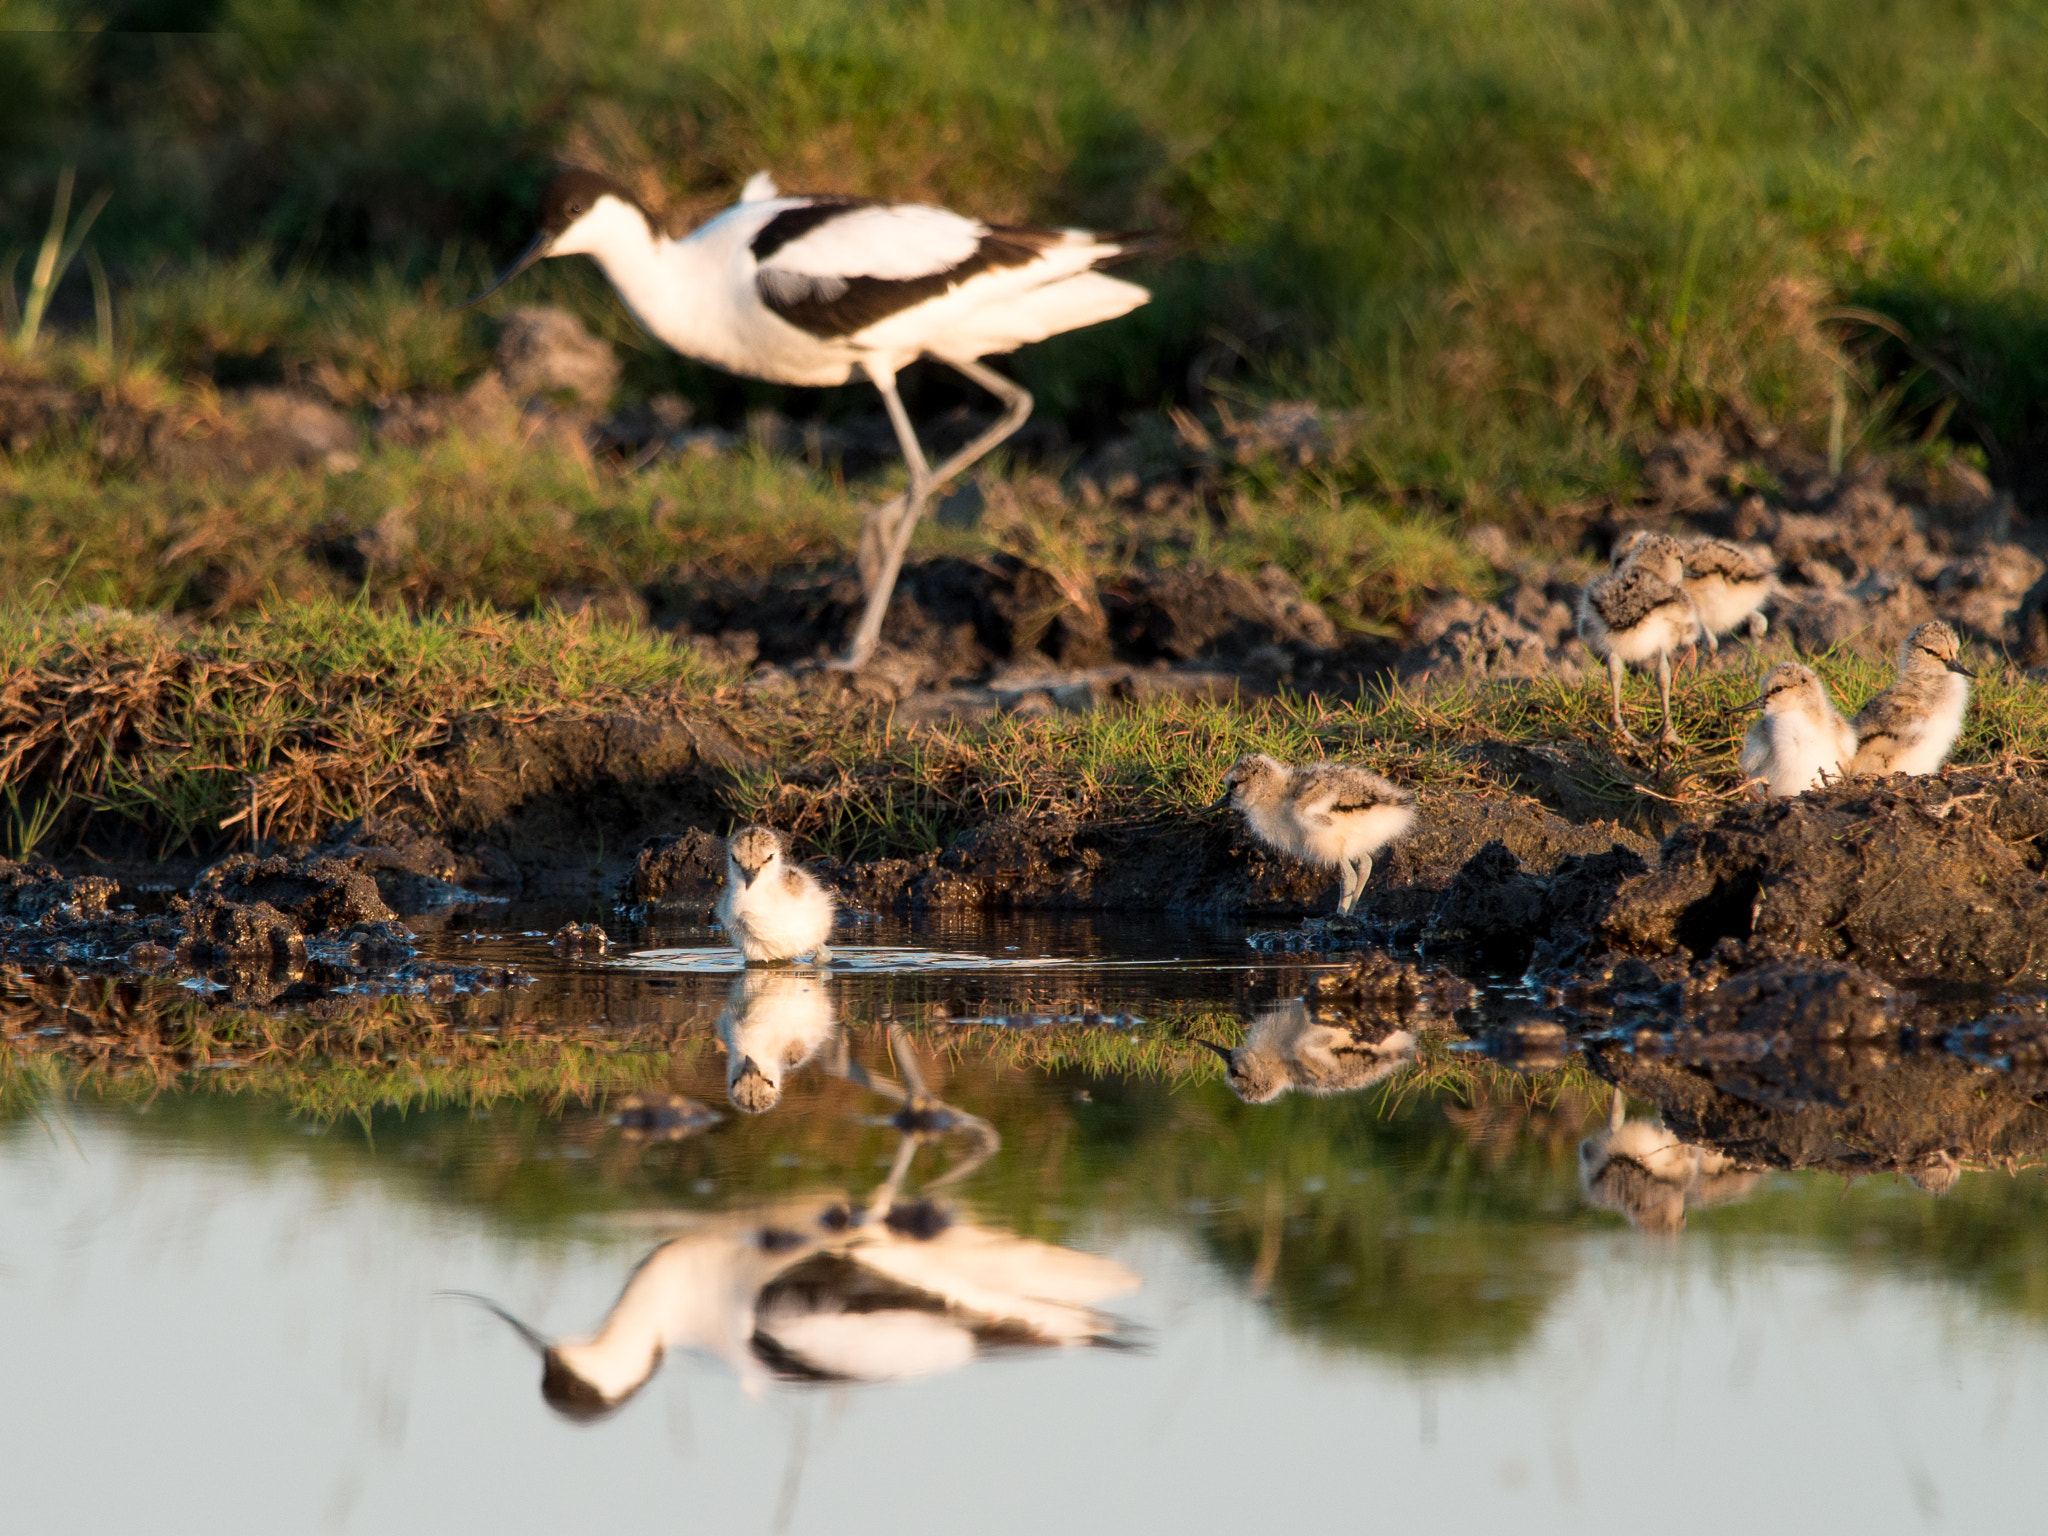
[1424, 1221]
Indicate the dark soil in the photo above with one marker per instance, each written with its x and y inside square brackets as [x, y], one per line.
[955, 622]
[281, 929]
[1205, 866]
[1936, 877]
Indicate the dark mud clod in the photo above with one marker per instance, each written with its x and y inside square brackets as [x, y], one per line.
[580, 939]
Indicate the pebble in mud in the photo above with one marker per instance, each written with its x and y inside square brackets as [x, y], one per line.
[580, 939]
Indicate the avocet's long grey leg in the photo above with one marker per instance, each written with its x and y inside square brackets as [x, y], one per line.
[896, 521]
[1670, 736]
[1614, 671]
[1347, 893]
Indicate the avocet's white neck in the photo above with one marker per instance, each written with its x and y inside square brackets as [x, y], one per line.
[639, 263]
[693, 1293]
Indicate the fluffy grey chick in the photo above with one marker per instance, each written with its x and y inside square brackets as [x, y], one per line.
[1912, 725]
[1332, 814]
[1802, 741]
[1286, 1048]
[1638, 614]
[1727, 582]
[773, 908]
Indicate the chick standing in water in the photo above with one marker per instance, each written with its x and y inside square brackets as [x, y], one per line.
[1638, 614]
[773, 909]
[1910, 727]
[1326, 813]
[1802, 740]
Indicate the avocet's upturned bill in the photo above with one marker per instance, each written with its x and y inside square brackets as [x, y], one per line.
[814, 290]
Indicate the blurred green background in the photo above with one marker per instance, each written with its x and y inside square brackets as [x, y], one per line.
[1520, 239]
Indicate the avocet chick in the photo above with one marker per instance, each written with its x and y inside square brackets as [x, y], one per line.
[1638, 614]
[1910, 727]
[773, 1023]
[1286, 1048]
[1728, 584]
[1327, 813]
[1802, 741]
[773, 908]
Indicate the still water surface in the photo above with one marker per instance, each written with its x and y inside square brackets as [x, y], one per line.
[1153, 1307]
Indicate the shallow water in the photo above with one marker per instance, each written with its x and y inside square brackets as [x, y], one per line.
[1387, 1307]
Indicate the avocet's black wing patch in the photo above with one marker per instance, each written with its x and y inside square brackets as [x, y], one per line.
[794, 223]
[836, 267]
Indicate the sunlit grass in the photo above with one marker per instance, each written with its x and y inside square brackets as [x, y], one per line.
[318, 711]
[861, 789]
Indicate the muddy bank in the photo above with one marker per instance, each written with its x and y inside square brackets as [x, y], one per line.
[284, 930]
[996, 622]
[1941, 877]
[1862, 556]
[1206, 865]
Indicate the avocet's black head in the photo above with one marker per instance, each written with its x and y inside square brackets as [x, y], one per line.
[573, 194]
[574, 1396]
[577, 211]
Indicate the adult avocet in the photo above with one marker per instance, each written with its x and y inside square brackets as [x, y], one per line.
[812, 290]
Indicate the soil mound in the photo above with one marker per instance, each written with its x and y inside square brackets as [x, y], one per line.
[314, 892]
[1938, 877]
[686, 870]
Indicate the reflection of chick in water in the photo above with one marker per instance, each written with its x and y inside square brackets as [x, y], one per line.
[1644, 1172]
[1936, 1173]
[1286, 1048]
[774, 1022]
[803, 1294]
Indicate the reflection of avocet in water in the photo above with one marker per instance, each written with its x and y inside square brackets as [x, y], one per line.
[1286, 1047]
[1644, 1172]
[820, 1291]
[774, 1022]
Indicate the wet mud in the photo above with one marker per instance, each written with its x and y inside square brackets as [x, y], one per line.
[1822, 1065]
[283, 929]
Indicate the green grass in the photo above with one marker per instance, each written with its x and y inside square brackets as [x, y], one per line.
[859, 789]
[519, 525]
[326, 710]
[1518, 240]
